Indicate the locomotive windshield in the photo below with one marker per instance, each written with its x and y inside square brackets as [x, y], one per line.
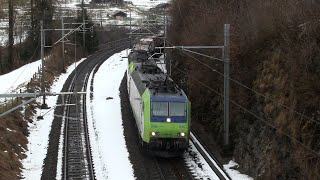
[160, 109]
[168, 109]
[176, 109]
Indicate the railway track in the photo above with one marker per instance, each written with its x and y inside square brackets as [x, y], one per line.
[147, 167]
[209, 157]
[77, 158]
[172, 169]
[176, 168]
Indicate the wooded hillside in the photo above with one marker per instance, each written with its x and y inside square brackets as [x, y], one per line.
[275, 71]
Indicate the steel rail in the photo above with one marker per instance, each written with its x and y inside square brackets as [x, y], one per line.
[172, 169]
[81, 165]
[209, 157]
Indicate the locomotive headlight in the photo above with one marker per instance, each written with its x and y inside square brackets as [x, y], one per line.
[182, 134]
[168, 120]
[153, 134]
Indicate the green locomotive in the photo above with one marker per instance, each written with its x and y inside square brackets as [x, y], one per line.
[161, 109]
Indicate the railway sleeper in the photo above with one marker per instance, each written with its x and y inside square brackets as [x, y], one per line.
[74, 144]
[75, 156]
[75, 160]
[73, 130]
[75, 166]
[78, 162]
[74, 124]
[75, 137]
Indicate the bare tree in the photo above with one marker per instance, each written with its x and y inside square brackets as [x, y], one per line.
[11, 39]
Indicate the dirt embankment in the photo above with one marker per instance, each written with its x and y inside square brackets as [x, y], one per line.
[275, 50]
[14, 126]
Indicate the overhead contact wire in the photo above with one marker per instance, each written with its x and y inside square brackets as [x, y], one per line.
[266, 97]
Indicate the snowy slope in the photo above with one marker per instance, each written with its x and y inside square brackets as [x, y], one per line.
[12, 80]
[38, 138]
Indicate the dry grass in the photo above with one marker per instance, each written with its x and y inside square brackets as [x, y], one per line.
[13, 131]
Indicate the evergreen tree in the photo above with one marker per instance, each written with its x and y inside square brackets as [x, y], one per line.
[11, 40]
[91, 37]
[40, 10]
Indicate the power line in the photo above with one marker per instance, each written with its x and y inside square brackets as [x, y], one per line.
[112, 42]
[237, 82]
[211, 57]
[261, 119]
[266, 97]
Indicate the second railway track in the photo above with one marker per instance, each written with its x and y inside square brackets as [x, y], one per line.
[76, 151]
[77, 158]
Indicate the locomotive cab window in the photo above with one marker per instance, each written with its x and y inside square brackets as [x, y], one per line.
[177, 109]
[160, 109]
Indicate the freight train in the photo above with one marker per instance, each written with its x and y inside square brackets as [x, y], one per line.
[161, 109]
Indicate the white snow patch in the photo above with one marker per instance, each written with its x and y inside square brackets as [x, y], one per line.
[12, 80]
[11, 130]
[147, 3]
[197, 164]
[235, 174]
[108, 145]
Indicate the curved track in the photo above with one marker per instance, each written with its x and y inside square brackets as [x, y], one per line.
[212, 161]
[77, 158]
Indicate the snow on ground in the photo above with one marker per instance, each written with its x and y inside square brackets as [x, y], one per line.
[147, 3]
[110, 155]
[19, 34]
[198, 165]
[17, 39]
[73, 3]
[18, 78]
[39, 131]
[162, 64]
[10, 81]
[235, 174]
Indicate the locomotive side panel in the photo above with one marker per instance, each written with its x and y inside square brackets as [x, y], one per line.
[136, 105]
[146, 115]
